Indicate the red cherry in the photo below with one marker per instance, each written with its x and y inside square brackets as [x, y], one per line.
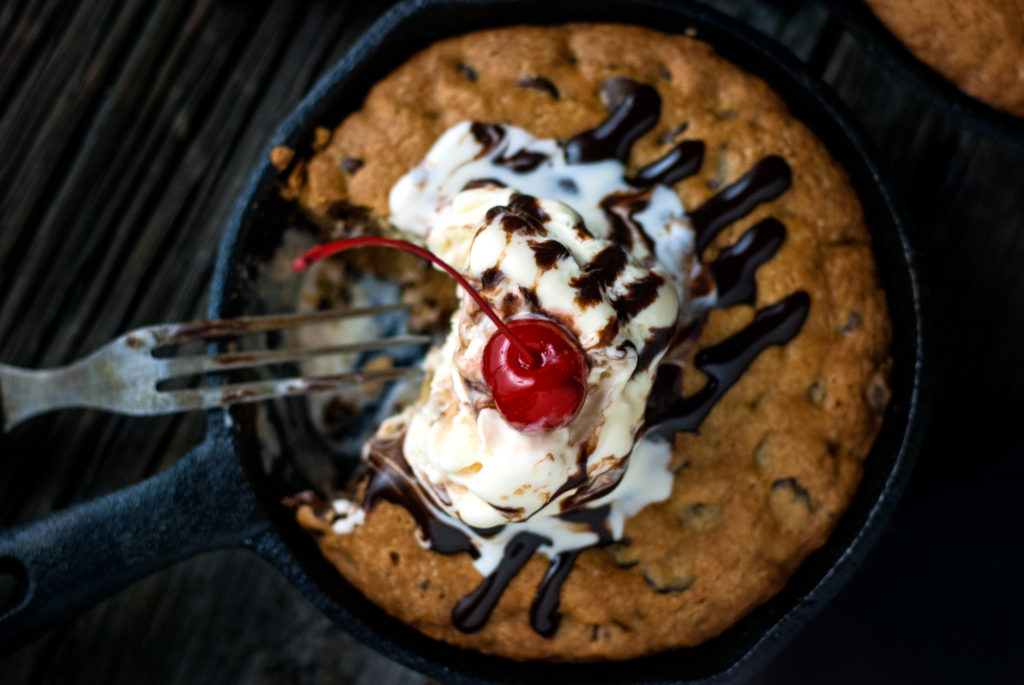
[535, 368]
[531, 397]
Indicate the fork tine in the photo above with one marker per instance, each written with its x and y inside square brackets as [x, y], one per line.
[208, 398]
[184, 366]
[166, 334]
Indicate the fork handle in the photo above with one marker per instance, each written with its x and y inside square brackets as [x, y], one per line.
[24, 393]
[72, 559]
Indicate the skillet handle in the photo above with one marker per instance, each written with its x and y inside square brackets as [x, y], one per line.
[72, 559]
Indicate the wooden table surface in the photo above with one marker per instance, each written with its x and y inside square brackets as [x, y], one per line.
[126, 130]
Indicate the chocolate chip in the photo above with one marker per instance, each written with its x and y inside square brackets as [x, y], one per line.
[622, 555]
[700, 517]
[670, 573]
[606, 631]
[351, 164]
[853, 322]
[817, 394]
[539, 83]
[877, 392]
[468, 72]
[395, 558]
[615, 91]
[792, 485]
[790, 503]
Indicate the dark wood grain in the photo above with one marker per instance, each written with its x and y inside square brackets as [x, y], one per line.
[126, 131]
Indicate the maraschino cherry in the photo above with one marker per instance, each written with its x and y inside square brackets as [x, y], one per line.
[531, 397]
[534, 367]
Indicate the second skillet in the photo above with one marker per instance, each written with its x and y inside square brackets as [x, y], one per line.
[221, 495]
[943, 94]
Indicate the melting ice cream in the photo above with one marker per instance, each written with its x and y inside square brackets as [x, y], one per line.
[479, 200]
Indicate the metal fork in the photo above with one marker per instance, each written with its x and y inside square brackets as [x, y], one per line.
[122, 376]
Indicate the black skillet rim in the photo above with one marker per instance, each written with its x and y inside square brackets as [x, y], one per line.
[941, 93]
[763, 631]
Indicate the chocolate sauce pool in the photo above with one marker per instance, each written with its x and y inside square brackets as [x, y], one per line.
[634, 110]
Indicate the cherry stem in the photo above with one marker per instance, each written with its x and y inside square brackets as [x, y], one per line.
[531, 358]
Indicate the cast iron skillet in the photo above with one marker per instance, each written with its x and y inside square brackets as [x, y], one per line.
[219, 494]
[876, 38]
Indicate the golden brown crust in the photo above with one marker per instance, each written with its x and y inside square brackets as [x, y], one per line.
[281, 156]
[976, 44]
[777, 460]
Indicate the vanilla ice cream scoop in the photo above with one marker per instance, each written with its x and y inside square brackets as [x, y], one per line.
[608, 258]
[536, 258]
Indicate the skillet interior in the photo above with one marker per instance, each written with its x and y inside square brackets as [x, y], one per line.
[255, 231]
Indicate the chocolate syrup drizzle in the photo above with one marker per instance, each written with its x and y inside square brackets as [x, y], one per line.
[681, 161]
[734, 268]
[544, 616]
[613, 138]
[619, 209]
[634, 110]
[472, 611]
[723, 364]
[768, 179]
